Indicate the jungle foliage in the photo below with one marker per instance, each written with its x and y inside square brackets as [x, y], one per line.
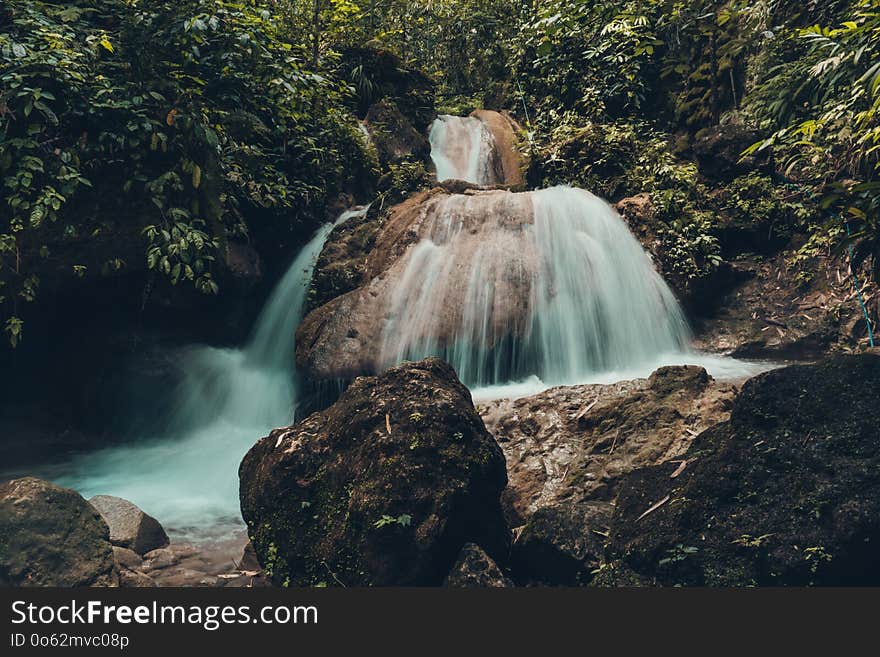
[154, 132]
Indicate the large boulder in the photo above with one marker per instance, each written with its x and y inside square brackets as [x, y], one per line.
[129, 526]
[382, 488]
[346, 337]
[787, 492]
[50, 536]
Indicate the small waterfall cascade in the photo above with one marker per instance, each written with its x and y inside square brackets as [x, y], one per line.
[462, 148]
[186, 476]
[556, 287]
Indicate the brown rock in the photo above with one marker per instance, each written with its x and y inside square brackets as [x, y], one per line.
[343, 338]
[476, 569]
[785, 493]
[129, 526]
[126, 558]
[574, 443]
[134, 579]
[505, 131]
[249, 560]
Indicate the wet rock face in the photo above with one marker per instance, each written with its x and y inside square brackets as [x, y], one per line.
[511, 161]
[129, 526]
[50, 536]
[787, 492]
[383, 488]
[576, 443]
[476, 569]
[344, 338]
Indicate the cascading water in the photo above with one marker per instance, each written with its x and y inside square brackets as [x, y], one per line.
[462, 149]
[187, 476]
[562, 294]
[566, 295]
[517, 291]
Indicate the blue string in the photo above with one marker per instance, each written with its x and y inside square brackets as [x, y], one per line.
[859, 288]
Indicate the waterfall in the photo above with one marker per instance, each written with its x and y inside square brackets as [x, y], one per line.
[562, 293]
[462, 148]
[187, 475]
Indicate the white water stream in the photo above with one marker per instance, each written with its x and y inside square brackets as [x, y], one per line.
[187, 476]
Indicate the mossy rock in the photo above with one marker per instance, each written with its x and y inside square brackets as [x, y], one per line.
[383, 488]
[50, 536]
[785, 493]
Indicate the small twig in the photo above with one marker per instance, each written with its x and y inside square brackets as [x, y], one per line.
[333, 575]
[614, 442]
[679, 469]
[654, 507]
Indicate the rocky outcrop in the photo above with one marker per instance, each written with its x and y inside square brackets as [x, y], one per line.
[129, 526]
[787, 492]
[476, 569]
[775, 314]
[511, 160]
[718, 151]
[383, 488]
[50, 536]
[573, 444]
[344, 338]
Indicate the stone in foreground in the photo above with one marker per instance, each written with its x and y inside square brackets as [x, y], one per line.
[384, 488]
[476, 569]
[50, 536]
[129, 526]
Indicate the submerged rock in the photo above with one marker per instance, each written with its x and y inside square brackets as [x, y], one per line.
[476, 569]
[129, 526]
[50, 536]
[787, 492]
[382, 488]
